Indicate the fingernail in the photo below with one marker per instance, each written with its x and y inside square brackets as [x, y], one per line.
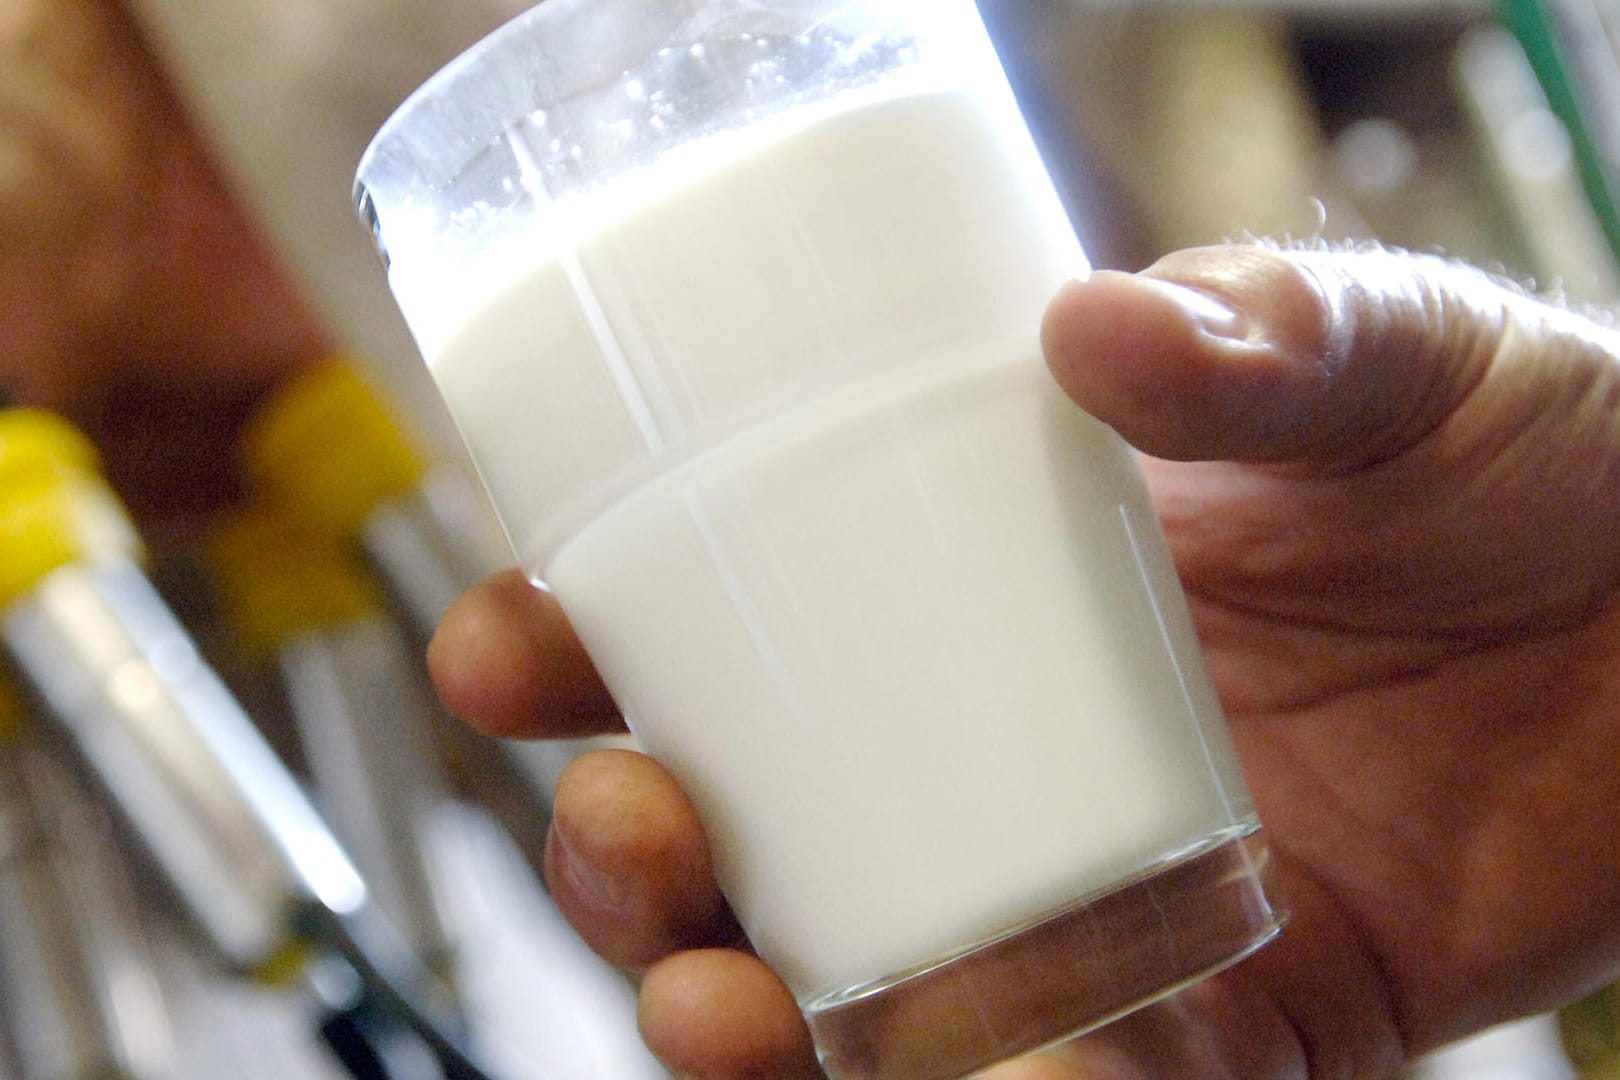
[597, 885]
[1212, 314]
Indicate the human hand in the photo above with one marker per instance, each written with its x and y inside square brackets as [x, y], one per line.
[1392, 487]
[140, 303]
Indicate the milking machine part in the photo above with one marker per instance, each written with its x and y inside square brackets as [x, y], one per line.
[222, 821]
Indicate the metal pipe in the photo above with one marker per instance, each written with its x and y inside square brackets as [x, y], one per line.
[239, 844]
[77, 997]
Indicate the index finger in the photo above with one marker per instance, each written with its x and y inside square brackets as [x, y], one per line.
[505, 661]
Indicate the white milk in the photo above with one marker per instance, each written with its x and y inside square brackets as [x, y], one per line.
[775, 429]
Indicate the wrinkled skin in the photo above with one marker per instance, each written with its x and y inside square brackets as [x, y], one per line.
[139, 301]
[1392, 487]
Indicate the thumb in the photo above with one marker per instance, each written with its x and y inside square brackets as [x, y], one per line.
[1327, 359]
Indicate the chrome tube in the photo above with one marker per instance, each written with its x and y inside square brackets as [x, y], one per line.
[77, 996]
[363, 723]
[429, 544]
[182, 763]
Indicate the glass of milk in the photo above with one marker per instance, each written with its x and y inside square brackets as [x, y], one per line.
[736, 304]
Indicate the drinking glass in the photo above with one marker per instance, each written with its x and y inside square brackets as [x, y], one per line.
[736, 305]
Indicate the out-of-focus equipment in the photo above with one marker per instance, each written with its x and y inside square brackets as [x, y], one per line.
[299, 606]
[329, 454]
[333, 457]
[230, 831]
[77, 996]
[1590, 1030]
[1571, 45]
[1549, 188]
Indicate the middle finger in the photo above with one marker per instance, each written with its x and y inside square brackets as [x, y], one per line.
[628, 862]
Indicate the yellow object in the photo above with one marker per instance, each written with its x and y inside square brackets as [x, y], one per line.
[1590, 1029]
[55, 507]
[286, 966]
[328, 448]
[277, 577]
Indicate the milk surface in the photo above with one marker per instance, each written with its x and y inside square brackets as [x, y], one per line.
[772, 423]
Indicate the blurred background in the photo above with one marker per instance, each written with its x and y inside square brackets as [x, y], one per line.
[179, 266]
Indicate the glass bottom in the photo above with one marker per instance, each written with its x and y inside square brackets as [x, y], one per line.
[1110, 954]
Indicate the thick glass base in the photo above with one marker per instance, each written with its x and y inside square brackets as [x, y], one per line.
[1109, 954]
